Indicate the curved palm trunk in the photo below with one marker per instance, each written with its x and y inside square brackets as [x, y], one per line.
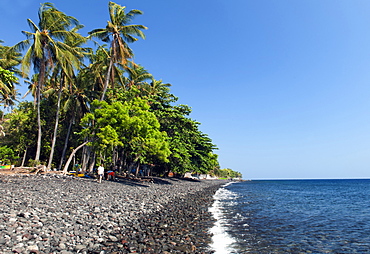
[65, 144]
[72, 155]
[56, 125]
[107, 79]
[39, 85]
[38, 149]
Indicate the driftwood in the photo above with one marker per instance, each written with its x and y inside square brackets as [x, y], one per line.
[40, 169]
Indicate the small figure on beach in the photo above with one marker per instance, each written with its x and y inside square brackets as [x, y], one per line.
[111, 175]
[101, 172]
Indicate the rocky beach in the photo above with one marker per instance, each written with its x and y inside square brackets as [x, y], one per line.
[65, 214]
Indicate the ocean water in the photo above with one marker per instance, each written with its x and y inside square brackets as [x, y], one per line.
[292, 216]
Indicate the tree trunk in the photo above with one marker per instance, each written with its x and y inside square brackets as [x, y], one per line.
[107, 79]
[137, 159]
[56, 125]
[91, 168]
[137, 169]
[66, 144]
[85, 158]
[24, 157]
[72, 155]
[38, 149]
[114, 156]
[38, 95]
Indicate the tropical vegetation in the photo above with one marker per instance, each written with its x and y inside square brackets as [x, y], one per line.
[94, 105]
[226, 173]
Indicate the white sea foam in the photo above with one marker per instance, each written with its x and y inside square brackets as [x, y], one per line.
[221, 240]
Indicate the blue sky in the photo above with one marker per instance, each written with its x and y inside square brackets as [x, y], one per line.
[281, 87]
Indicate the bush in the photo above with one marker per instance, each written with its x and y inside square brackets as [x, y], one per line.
[7, 155]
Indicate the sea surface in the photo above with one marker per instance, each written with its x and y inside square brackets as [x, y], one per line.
[292, 216]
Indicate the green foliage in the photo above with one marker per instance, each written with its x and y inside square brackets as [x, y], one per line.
[20, 127]
[34, 163]
[7, 155]
[7, 77]
[191, 150]
[227, 173]
[136, 119]
[129, 125]
[119, 32]
[7, 87]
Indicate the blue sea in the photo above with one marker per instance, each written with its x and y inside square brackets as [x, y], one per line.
[292, 216]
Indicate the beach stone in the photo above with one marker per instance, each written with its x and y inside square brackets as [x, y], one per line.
[12, 219]
[100, 240]
[60, 214]
[62, 246]
[66, 252]
[80, 247]
[18, 250]
[113, 238]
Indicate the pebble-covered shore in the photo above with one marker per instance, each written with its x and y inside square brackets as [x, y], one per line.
[63, 214]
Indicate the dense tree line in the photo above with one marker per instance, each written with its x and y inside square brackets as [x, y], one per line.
[226, 173]
[94, 105]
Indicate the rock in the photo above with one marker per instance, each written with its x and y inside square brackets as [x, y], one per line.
[100, 240]
[68, 215]
[80, 247]
[18, 250]
[62, 246]
[33, 248]
[66, 252]
[12, 219]
[113, 238]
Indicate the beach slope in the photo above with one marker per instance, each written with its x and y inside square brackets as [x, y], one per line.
[64, 214]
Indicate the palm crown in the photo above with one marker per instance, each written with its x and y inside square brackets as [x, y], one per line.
[119, 32]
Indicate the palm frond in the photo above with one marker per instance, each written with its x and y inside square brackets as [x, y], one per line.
[33, 26]
[131, 15]
[26, 62]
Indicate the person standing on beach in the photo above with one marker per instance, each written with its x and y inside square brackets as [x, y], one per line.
[101, 172]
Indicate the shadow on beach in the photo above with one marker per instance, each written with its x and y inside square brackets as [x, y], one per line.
[147, 181]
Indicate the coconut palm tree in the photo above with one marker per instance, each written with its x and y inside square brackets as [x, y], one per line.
[76, 104]
[95, 72]
[137, 76]
[67, 75]
[44, 47]
[7, 88]
[9, 59]
[119, 32]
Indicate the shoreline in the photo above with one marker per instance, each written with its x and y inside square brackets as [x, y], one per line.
[63, 214]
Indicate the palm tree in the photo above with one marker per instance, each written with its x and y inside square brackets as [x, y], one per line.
[7, 88]
[32, 87]
[119, 32]
[75, 105]
[67, 75]
[95, 72]
[137, 76]
[9, 59]
[45, 47]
